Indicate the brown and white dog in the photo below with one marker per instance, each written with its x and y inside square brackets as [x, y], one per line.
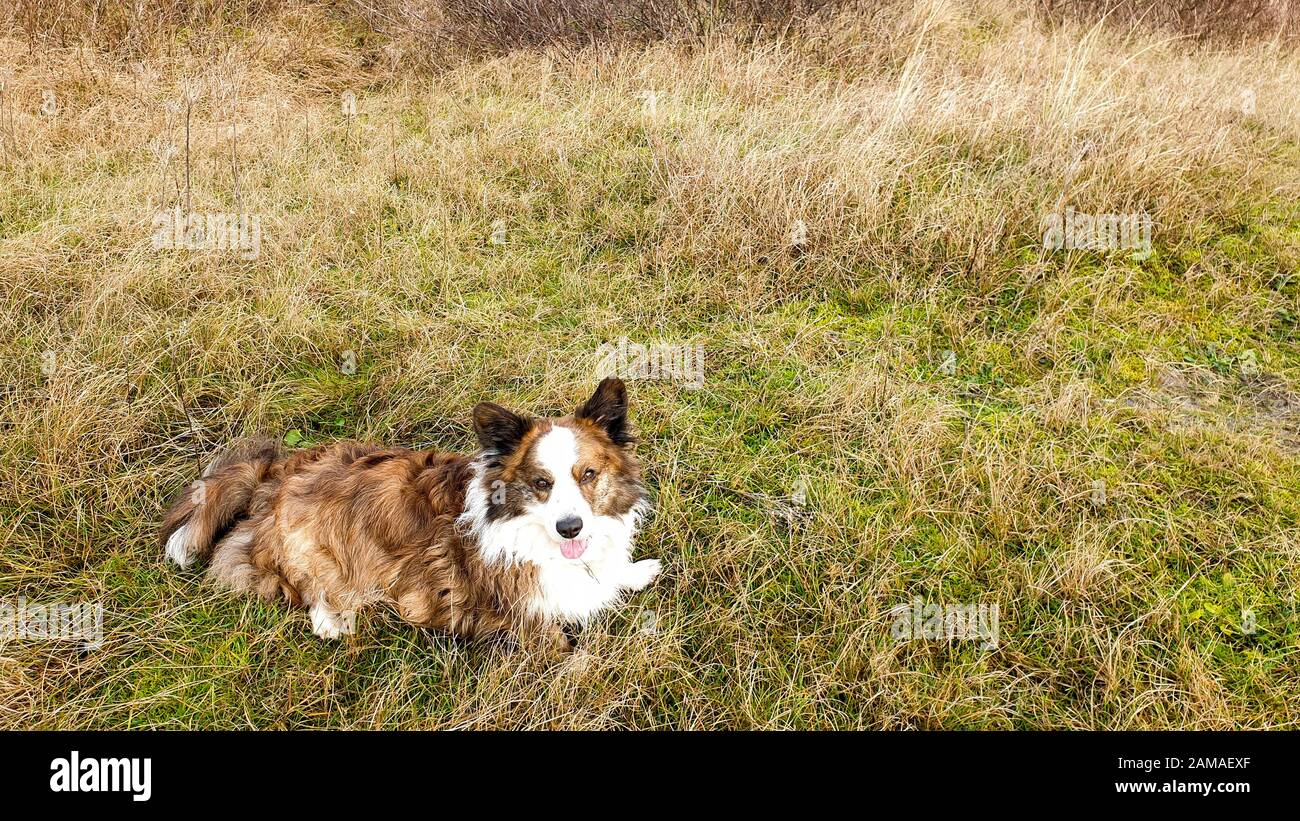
[533, 532]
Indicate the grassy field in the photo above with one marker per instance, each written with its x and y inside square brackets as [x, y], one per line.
[906, 394]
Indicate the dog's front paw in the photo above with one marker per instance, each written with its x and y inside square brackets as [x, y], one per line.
[640, 574]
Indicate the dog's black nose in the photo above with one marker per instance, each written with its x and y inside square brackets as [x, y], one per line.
[569, 526]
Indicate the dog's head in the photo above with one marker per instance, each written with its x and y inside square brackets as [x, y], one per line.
[552, 489]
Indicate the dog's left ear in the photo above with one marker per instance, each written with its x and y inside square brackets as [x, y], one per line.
[607, 408]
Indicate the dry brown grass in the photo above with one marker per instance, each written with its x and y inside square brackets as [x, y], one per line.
[920, 153]
[1216, 20]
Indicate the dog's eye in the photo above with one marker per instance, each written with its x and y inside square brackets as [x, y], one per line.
[588, 475]
[541, 484]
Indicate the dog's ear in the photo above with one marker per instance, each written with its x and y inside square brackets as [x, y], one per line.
[607, 408]
[499, 429]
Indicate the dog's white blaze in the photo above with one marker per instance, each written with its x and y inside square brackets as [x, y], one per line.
[557, 453]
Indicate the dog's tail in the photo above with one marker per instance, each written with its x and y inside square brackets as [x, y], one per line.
[206, 510]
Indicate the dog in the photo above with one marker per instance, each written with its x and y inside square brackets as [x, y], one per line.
[532, 533]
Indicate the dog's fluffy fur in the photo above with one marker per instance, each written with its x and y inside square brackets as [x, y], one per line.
[476, 546]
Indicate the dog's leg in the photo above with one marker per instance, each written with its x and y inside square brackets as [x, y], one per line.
[331, 624]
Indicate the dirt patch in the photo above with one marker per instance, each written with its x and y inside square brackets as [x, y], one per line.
[1259, 404]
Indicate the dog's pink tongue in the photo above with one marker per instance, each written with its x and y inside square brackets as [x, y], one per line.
[573, 548]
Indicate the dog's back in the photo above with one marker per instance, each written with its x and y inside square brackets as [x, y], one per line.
[340, 526]
[229, 515]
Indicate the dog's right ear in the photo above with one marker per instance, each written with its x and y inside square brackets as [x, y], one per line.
[607, 408]
[498, 429]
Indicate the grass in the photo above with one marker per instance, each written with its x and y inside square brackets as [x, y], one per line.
[828, 470]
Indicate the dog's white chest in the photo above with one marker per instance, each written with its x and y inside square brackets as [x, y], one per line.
[574, 591]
